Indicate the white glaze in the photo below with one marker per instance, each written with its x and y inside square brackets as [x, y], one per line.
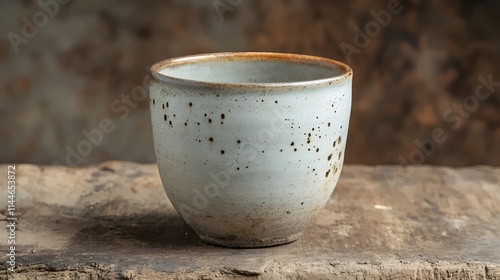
[249, 152]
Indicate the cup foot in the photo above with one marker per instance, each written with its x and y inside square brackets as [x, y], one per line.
[235, 242]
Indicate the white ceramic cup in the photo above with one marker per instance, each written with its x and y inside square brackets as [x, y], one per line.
[250, 145]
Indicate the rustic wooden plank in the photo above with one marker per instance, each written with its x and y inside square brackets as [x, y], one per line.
[114, 220]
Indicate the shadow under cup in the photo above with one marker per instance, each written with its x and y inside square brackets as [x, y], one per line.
[250, 145]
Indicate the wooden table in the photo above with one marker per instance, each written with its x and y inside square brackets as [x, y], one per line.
[114, 221]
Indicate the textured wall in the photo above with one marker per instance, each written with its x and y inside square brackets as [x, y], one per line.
[75, 63]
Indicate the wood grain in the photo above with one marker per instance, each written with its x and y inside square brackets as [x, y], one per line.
[114, 221]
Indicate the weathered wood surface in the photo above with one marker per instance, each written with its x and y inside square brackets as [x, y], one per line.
[114, 221]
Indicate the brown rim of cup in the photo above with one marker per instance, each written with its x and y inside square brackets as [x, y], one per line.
[345, 70]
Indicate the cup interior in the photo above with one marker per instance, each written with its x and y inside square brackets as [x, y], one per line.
[250, 68]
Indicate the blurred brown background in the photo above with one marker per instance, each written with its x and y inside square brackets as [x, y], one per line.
[414, 72]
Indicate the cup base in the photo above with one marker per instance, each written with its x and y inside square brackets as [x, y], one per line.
[252, 243]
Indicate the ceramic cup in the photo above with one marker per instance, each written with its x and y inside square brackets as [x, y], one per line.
[249, 146]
